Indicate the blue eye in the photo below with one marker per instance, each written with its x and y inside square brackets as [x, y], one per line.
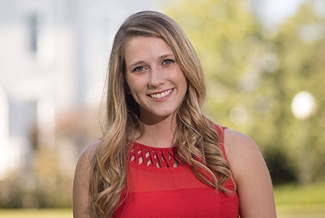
[138, 69]
[168, 61]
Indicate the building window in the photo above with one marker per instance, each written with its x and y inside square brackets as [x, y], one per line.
[33, 22]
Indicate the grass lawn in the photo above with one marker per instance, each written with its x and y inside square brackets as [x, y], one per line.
[292, 201]
[36, 213]
[311, 211]
[292, 194]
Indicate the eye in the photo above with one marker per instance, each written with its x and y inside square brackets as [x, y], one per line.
[138, 69]
[168, 61]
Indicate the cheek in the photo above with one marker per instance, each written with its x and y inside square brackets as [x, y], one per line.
[136, 83]
[182, 79]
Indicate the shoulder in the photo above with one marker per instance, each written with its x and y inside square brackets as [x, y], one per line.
[81, 181]
[242, 152]
[83, 170]
[237, 142]
[87, 154]
[249, 170]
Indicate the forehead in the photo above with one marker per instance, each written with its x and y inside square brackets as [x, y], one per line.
[145, 46]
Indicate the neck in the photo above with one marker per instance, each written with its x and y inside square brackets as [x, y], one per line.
[162, 134]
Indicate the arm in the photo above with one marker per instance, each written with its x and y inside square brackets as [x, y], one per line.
[80, 197]
[251, 175]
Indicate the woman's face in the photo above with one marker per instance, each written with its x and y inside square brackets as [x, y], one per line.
[154, 78]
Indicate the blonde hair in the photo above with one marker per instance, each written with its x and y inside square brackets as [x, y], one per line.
[198, 140]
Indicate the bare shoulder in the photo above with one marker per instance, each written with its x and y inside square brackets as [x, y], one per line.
[81, 181]
[88, 153]
[237, 143]
[235, 138]
[249, 170]
[82, 172]
[242, 152]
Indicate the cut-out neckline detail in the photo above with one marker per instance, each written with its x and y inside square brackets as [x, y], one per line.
[154, 157]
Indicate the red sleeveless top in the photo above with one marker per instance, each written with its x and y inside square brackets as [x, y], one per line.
[159, 185]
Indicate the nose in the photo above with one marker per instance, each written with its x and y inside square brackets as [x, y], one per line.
[156, 78]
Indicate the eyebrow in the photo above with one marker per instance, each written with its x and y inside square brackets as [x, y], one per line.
[137, 63]
[160, 57]
[166, 56]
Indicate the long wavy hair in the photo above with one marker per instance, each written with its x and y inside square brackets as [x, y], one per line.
[197, 138]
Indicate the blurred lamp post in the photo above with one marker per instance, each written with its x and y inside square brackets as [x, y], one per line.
[303, 106]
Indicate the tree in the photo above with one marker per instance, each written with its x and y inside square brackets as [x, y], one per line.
[226, 37]
[253, 73]
[299, 48]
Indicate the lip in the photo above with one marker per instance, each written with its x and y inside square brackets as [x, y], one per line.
[157, 95]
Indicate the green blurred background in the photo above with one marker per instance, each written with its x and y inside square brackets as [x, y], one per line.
[255, 67]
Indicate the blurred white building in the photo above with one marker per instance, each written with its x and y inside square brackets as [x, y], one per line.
[53, 57]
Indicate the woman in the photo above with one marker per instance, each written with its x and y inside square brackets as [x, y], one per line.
[160, 155]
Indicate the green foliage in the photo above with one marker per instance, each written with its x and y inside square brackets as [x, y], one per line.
[225, 35]
[41, 186]
[253, 73]
[300, 67]
[46, 181]
[279, 166]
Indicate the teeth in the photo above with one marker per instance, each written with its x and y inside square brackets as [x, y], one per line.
[161, 95]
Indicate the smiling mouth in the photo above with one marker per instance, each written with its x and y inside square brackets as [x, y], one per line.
[161, 95]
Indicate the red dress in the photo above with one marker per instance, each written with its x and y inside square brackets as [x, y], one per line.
[159, 185]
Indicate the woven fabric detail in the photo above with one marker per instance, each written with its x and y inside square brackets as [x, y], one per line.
[154, 157]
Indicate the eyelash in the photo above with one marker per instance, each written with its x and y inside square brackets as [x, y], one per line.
[165, 62]
[170, 61]
[138, 69]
